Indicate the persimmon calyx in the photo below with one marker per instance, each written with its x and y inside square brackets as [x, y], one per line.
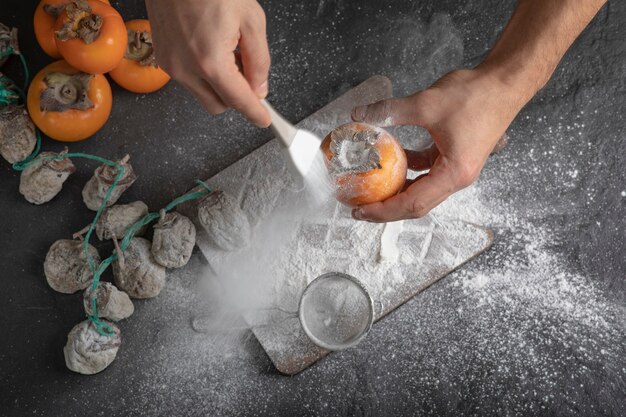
[65, 92]
[140, 48]
[54, 10]
[81, 23]
[353, 152]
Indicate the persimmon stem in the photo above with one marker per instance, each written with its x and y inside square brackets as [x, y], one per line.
[140, 48]
[118, 250]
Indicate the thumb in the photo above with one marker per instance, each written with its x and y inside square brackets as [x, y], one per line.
[392, 112]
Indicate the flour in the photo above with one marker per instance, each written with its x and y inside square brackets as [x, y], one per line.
[298, 237]
[521, 330]
[499, 315]
[389, 251]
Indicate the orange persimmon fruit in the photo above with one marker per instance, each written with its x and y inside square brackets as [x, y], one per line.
[91, 36]
[68, 105]
[366, 162]
[44, 19]
[138, 71]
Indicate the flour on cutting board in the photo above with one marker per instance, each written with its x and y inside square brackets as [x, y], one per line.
[389, 251]
[297, 239]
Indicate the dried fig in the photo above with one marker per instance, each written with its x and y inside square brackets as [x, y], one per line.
[173, 240]
[66, 266]
[97, 187]
[224, 221]
[87, 351]
[116, 220]
[8, 42]
[17, 134]
[112, 303]
[136, 271]
[43, 180]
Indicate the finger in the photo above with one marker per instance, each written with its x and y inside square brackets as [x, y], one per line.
[417, 201]
[395, 111]
[234, 90]
[205, 94]
[421, 160]
[255, 55]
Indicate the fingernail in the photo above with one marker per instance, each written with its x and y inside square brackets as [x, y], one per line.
[263, 125]
[357, 214]
[263, 89]
[358, 113]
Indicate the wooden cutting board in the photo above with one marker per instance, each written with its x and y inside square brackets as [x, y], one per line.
[287, 252]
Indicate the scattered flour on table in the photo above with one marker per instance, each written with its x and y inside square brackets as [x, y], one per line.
[519, 331]
[523, 316]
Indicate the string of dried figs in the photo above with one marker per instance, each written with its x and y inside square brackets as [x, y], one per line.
[103, 177]
[173, 240]
[43, 180]
[224, 221]
[112, 303]
[136, 272]
[87, 351]
[66, 266]
[115, 221]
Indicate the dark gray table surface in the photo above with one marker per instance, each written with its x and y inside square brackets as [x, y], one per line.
[320, 49]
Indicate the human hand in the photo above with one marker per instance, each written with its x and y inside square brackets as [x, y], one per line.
[195, 41]
[466, 113]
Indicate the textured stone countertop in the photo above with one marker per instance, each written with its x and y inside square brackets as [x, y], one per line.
[536, 326]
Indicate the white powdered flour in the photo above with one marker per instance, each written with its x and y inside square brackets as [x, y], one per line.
[298, 237]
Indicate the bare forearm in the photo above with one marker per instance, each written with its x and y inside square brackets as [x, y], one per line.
[534, 41]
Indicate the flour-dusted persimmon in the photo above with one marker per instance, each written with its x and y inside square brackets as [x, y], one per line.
[367, 163]
[138, 71]
[91, 36]
[67, 104]
[45, 17]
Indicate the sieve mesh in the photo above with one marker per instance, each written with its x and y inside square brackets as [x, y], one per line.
[336, 311]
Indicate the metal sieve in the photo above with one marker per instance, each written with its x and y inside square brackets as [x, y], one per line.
[335, 312]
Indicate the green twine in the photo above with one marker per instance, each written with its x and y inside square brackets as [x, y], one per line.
[10, 94]
[102, 327]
